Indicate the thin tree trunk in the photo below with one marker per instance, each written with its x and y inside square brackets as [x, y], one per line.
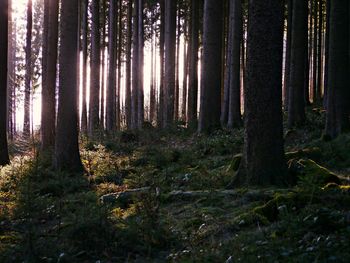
[94, 105]
[128, 111]
[319, 51]
[288, 53]
[111, 84]
[4, 8]
[10, 75]
[28, 75]
[326, 55]
[103, 62]
[84, 122]
[135, 67]
[314, 68]
[185, 71]
[161, 55]
[193, 64]
[140, 92]
[152, 101]
[177, 71]
[120, 42]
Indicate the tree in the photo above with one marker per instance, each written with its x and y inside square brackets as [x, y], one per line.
[111, 81]
[288, 52]
[235, 37]
[211, 75]
[28, 76]
[135, 66]
[48, 111]
[296, 107]
[4, 7]
[67, 155]
[263, 160]
[337, 120]
[169, 62]
[193, 64]
[95, 65]
[84, 121]
[128, 66]
[140, 94]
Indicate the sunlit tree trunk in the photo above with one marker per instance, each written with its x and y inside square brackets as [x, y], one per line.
[193, 64]
[186, 54]
[4, 8]
[263, 160]
[169, 62]
[296, 107]
[84, 121]
[128, 67]
[111, 83]
[135, 66]
[161, 56]
[337, 120]
[67, 155]
[152, 102]
[210, 99]
[288, 53]
[177, 61]
[48, 111]
[120, 44]
[95, 65]
[28, 67]
[140, 93]
[10, 76]
[103, 62]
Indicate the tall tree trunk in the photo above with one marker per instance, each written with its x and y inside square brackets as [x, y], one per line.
[152, 101]
[288, 53]
[161, 56]
[140, 93]
[28, 75]
[135, 67]
[326, 55]
[10, 75]
[67, 155]
[263, 160]
[296, 108]
[193, 64]
[94, 105]
[128, 111]
[319, 51]
[169, 60]
[177, 71]
[314, 67]
[120, 44]
[337, 120]
[84, 121]
[103, 62]
[48, 111]
[186, 55]
[111, 84]
[210, 101]
[236, 30]
[4, 11]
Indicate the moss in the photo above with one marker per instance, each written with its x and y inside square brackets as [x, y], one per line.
[236, 161]
[312, 152]
[250, 218]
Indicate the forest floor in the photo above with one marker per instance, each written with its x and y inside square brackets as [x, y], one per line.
[159, 196]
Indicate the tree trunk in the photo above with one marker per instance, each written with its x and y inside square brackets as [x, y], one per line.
[337, 120]
[94, 105]
[111, 84]
[170, 63]
[319, 51]
[140, 92]
[161, 55]
[103, 62]
[177, 71]
[48, 111]
[128, 67]
[326, 55]
[67, 155]
[296, 108]
[236, 27]
[193, 64]
[135, 66]
[28, 75]
[263, 155]
[288, 53]
[10, 76]
[152, 102]
[314, 67]
[210, 101]
[84, 122]
[4, 8]
[185, 71]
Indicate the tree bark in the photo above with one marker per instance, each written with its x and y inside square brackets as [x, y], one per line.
[170, 63]
[193, 64]
[296, 108]
[161, 55]
[211, 72]
[288, 53]
[128, 111]
[94, 105]
[337, 120]
[111, 84]
[84, 121]
[4, 8]
[48, 111]
[28, 75]
[263, 155]
[135, 66]
[140, 92]
[67, 155]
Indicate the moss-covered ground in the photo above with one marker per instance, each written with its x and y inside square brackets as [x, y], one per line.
[180, 210]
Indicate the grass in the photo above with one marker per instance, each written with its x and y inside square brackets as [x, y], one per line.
[59, 217]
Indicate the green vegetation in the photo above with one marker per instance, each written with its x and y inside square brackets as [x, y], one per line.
[160, 196]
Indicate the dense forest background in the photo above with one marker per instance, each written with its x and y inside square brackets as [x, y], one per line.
[174, 130]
